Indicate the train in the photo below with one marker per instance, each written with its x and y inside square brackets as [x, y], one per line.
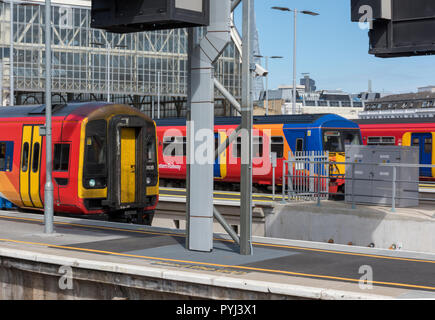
[418, 132]
[105, 160]
[280, 134]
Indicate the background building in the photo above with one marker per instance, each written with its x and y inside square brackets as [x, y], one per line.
[89, 63]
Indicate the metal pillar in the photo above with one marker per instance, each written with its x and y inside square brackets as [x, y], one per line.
[48, 190]
[200, 134]
[247, 123]
[158, 95]
[267, 86]
[11, 59]
[1, 83]
[108, 71]
[294, 63]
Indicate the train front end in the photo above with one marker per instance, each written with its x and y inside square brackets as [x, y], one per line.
[118, 165]
[334, 141]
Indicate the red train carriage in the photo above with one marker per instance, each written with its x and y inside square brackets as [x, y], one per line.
[104, 159]
[279, 134]
[403, 132]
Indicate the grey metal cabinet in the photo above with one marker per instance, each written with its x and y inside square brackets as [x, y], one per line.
[367, 181]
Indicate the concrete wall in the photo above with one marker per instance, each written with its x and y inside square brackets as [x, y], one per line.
[406, 229]
[35, 276]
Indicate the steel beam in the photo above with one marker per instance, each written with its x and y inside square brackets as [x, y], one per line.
[200, 125]
[247, 124]
[227, 95]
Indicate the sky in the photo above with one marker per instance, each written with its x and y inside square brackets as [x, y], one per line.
[332, 49]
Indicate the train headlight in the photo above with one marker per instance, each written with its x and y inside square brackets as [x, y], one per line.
[148, 180]
[92, 183]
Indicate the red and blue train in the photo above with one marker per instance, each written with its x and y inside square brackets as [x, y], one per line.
[418, 132]
[104, 159]
[281, 134]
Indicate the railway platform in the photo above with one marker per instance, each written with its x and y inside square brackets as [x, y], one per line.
[138, 262]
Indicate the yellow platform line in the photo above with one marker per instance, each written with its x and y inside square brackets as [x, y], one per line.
[219, 265]
[225, 240]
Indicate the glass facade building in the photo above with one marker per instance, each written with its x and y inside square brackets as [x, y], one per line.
[88, 63]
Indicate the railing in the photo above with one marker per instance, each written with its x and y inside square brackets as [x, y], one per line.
[307, 177]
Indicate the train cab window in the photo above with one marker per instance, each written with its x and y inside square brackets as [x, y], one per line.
[61, 157]
[95, 161]
[174, 146]
[299, 145]
[35, 160]
[337, 140]
[25, 158]
[277, 146]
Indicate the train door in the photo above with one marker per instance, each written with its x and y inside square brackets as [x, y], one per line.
[297, 141]
[30, 169]
[424, 142]
[61, 156]
[128, 145]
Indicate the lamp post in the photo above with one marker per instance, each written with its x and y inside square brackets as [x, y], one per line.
[295, 11]
[267, 78]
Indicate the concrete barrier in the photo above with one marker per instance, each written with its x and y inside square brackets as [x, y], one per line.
[36, 276]
[335, 222]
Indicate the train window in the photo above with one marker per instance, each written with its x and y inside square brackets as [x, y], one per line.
[61, 157]
[35, 160]
[277, 146]
[237, 148]
[95, 154]
[174, 146]
[25, 157]
[257, 147]
[2, 156]
[299, 145]
[386, 141]
[415, 142]
[428, 145]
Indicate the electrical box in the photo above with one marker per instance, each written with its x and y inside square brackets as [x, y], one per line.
[125, 16]
[373, 184]
[399, 28]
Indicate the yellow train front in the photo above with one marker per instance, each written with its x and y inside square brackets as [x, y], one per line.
[104, 160]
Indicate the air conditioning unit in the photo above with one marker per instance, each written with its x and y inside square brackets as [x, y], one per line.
[125, 16]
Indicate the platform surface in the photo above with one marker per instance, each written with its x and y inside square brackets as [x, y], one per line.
[277, 262]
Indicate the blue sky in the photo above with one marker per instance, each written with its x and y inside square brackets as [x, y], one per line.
[332, 49]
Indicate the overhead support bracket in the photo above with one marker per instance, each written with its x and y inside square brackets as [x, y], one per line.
[225, 225]
[228, 95]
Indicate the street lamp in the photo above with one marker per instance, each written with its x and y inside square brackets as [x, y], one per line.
[108, 63]
[295, 11]
[267, 78]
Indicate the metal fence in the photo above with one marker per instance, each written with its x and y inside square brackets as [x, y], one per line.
[307, 177]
